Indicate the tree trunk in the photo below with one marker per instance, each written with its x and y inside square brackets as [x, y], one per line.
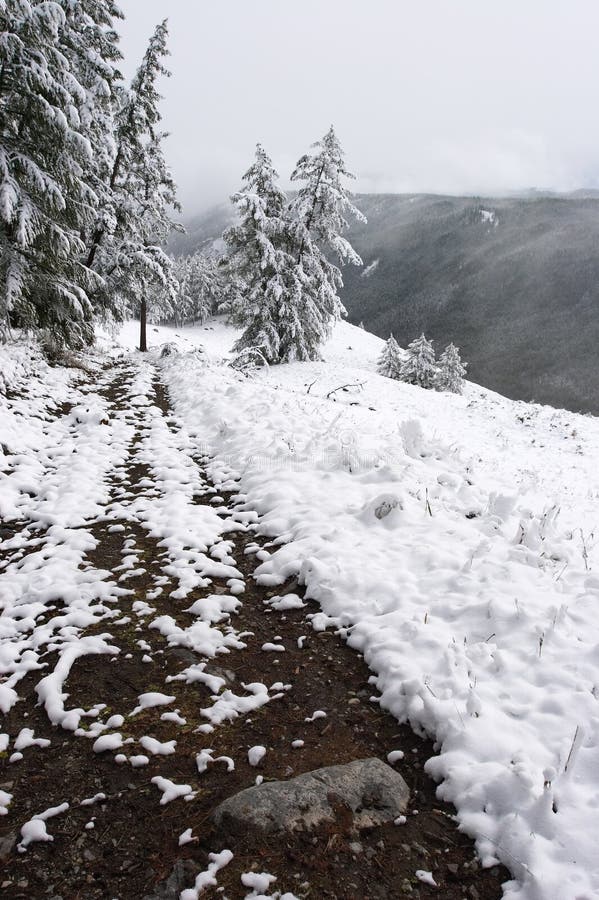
[142, 326]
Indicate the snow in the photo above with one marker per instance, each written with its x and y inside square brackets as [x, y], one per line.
[108, 742]
[151, 699]
[186, 837]
[157, 748]
[472, 599]
[425, 877]
[451, 539]
[170, 790]
[394, 756]
[317, 714]
[36, 829]
[256, 755]
[207, 878]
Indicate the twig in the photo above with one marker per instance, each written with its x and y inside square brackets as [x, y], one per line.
[571, 748]
[344, 387]
[311, 385]
[428, 506]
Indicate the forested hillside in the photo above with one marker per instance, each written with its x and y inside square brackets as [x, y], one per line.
[513, 282]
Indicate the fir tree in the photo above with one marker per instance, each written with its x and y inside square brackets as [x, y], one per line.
[390, 360]
[46, 200]
[260, 262]
[200, 288]
[419, 365]
[285, 290]
[91, 46]
[322, 203]
[318, 215]
[125, 247]
[451, 371]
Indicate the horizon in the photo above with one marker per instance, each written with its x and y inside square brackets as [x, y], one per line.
[431, 99]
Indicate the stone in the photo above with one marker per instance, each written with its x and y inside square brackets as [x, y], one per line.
[182, 876]
[363, 794]
[7, 844]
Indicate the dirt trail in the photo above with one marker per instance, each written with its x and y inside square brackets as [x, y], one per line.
[126, 845]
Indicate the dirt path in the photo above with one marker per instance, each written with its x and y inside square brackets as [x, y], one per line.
[125, 844]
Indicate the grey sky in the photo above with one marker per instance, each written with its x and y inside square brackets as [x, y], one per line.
[476, 96]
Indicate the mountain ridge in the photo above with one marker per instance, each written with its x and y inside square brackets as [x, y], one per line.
[513, 281]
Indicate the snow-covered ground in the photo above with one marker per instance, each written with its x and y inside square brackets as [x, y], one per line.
[453, 538]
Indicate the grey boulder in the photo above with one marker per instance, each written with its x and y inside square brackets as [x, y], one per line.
[367, 790]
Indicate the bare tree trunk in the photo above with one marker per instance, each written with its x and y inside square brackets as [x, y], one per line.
[143, 346]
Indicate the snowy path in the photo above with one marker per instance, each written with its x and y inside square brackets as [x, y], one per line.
[140, 663]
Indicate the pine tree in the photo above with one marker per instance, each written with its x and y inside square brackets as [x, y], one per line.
[322, 203]
[200, 288]
[390, 360]
[91, 46]
[419, 365]
[260, 262]
[318, 215]
[125, 247]
[284, 288]
[451, 371]
[46, 200]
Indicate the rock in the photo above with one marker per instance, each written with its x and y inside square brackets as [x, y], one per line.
[182, 876]
[6, 845]
[366, 793]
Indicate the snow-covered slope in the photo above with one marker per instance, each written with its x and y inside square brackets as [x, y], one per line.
[453, 538]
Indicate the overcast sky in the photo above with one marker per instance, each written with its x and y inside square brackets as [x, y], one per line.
[472, 96]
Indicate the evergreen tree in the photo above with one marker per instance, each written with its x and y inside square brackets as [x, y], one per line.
[285, 290]
[419, 365]
[46, 200]
[260, 262]
[451, 371]
[390, 360]
[322, 203]
[200, 288]
[318, 215]
[90, 44]
[125, 247]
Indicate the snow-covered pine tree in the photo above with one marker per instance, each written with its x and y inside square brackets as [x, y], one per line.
[318, 216]
[390, 360]
[91, 45]
[46, 201]
[125, 247]
[200, 287]
[451, 371]
[419, 365]
[260, 264]
[322, 203]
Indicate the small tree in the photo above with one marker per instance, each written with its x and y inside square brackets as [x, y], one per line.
[419, 366]
[451, 371]
[390, 360]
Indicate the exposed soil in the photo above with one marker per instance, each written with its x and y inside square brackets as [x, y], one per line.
[132, 849]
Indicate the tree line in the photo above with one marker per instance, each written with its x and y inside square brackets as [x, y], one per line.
[86, 197]
[87, 203]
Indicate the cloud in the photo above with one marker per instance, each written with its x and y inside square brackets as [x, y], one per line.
[426, 95]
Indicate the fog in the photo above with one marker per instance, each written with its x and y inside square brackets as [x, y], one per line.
[425, 95]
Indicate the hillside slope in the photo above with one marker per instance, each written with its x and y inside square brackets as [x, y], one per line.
[514, 282]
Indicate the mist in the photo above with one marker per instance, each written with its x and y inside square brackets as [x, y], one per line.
[466, 97]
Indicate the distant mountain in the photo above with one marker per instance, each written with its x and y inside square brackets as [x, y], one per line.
[514, 282]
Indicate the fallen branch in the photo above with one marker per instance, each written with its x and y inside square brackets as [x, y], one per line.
[345, 387]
